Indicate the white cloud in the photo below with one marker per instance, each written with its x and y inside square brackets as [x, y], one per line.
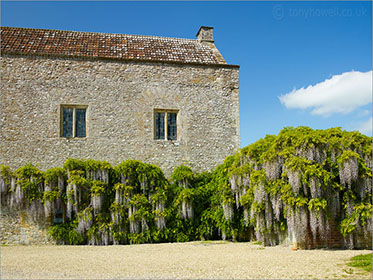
[366, 127]
[340, 94]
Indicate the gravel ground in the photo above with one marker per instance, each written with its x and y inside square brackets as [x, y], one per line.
[193, 260]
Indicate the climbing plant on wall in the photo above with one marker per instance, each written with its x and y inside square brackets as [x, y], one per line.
[303, 181]
[304, 186]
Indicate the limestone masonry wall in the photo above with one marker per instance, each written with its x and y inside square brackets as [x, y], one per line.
[18, 228]
[121, 99]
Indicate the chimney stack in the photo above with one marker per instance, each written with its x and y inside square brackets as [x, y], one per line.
[205, 34]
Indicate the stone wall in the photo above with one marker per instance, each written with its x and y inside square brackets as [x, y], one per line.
[121, 99]
[18, 228]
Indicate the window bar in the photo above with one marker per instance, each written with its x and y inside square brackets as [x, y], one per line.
[74, 122]
[165, 126]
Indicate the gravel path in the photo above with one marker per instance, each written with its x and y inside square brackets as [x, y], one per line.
[193, 260]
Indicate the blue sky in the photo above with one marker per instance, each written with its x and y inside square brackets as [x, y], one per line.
[282, 47]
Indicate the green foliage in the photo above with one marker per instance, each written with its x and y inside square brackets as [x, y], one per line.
[296, 163]
[140, 238]
[30, 179]
[317, 204]
[74, 164]
[52, 175]
[129, 170]
[76, 177]
[66, 233]
[141, 203]
[185, 195]
[259, 148]
[363, 169]
[316, 171]
[127, 191]
[50, 196]
[143, 177]
[97, 187]
[159, 196]
[182, 174]
[253, 193]
[86, 214]
[5, 171]
[346, 155]
[91, 164]
[258, 176]
[360, 215]
[151, 174]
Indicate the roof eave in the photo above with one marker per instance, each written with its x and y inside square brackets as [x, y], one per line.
[117, 59]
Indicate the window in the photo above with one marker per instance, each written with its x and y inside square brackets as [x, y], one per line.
[165, 124]
[73, 121]
[58, 216]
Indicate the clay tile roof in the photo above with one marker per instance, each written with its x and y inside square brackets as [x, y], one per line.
[27, 41]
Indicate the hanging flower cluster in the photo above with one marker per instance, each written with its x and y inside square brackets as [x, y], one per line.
[301, 183]
[308, 187]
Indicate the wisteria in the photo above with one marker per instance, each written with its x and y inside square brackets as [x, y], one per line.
[268, 214]
[101, 237]
[297, 224]
[276, 206]
[186, 209]
[349, 171]
[333, 155]
[365, 187]
[305, 188]
[260, 194]
[315, 188]
[70, 201]
[228, 211]
[36, 210]
[4, 182]
[260, 227]
[99, 175]
[18, 197]
[75, 197]
[246, 216]
[85, 221]
[294, 180]
[314, 202]
[48, 205]
[160, 219]
[234, 182]
[313, 153]
[134, 223]
[239, 185]
[273, 169]
[97, 201]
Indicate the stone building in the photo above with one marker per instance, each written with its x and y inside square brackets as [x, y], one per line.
[165, 101]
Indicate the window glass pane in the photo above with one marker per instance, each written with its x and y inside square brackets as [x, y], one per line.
[80, 122]
[171, 126]
[159, 125]
[67, 122]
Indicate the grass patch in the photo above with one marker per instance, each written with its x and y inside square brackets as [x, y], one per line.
[362, 261]
[212, 242]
